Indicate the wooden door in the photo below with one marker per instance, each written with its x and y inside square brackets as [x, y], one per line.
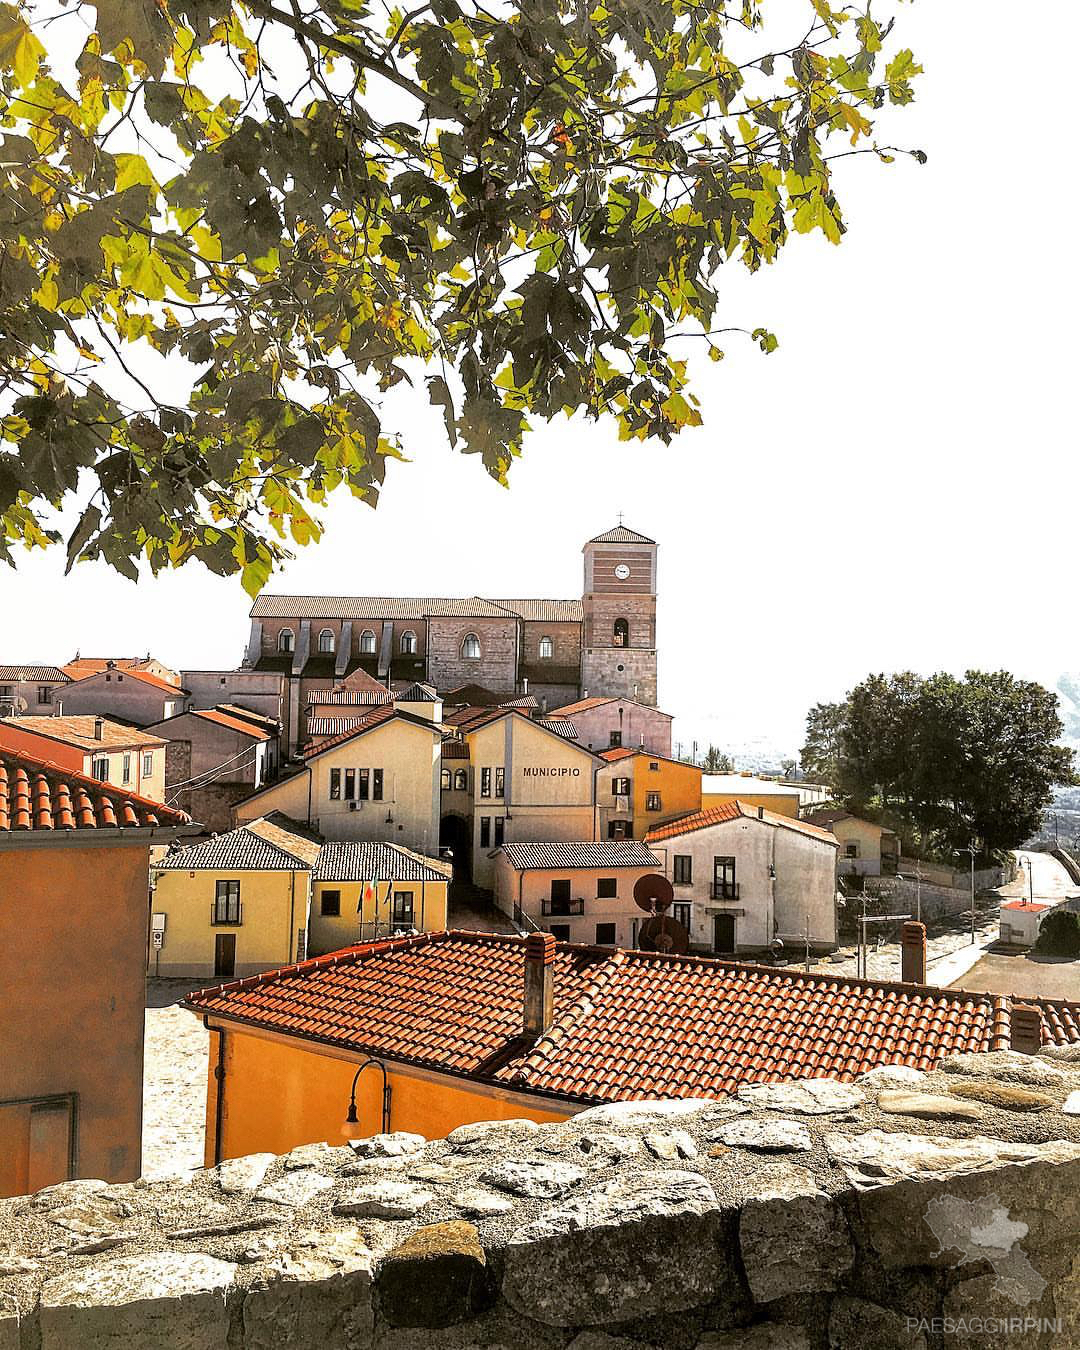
[224, 955]
[724, 933]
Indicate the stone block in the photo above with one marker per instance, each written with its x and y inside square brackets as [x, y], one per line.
[809, 1097]
[927, 1106]
[1010, 1066]
[163, 1301]
[394, 1145]
[890, 1076]
[437, 1277]
[624, 1115]
[762, 1336]
[384, 1200]
[488, 1136]
[793, 1237]
[295, 1188]
[317, 1294]
[242, 1176]
[766, 1136]
[856, 1324]
[537, 1180]
[633, 1247]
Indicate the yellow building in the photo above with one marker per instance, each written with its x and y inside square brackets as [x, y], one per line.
[271, 892]
[722, 789]
[376, 781]
[526, 781]
[637, 790]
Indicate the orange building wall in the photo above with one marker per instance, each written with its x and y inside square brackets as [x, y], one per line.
[14, 737]
[679, 786]
[277, 1096]
[72, 995]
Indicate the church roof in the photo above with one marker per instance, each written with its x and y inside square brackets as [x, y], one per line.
[621, 535]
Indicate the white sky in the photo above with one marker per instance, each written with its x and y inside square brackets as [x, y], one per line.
[894, 488]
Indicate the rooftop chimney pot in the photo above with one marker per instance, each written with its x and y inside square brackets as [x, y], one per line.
[761, 813]
[1026, 1024]
[539, 994]
[99, 728]
[913, 953]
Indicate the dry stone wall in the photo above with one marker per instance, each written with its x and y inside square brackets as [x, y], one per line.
[899, 1211]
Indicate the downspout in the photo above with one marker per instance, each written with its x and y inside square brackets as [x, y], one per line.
[219, 1096]
[292, 914]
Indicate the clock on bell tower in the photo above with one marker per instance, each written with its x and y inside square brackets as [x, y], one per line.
[618, 636]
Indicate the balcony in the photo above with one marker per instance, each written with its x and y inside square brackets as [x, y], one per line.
[725, 890]
[226, 916]
[562, 909]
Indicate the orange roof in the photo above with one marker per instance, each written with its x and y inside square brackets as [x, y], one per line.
[42, 797]
[233, 723]
[617, 752]
[375, 717]
[716, 815]
[131, 674]
[627, 1024]
[1031, 907]
[583, 705]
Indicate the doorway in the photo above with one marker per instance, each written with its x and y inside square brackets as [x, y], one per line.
[455, 839]
[724, 934]
[224, 955]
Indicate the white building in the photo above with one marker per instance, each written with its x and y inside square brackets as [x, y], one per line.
[745, 877]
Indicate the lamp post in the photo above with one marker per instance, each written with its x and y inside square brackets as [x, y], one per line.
[1031, 879]
[351, 1128]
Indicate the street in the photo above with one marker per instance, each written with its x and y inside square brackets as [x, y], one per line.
[174, 1081]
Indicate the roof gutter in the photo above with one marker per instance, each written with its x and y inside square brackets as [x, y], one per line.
[98, 836]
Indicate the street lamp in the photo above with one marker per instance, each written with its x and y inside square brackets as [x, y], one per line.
[351, 1128]
[1031, 879]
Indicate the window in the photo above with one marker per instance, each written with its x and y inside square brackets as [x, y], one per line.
[99, 769]
[724, 886]
[620, 787]
[546, 649]
[605, 935]
[326, 640]
[607, 888]
[403, 909]
[147, 764]
[621, 633]
[500, 830]
[331, 903]
[470, 647]
[485, 831]
[500, 782]
[681, 914]
[485, 782]
[286, 641]
[335, 785]
[367, 643]
[559, 931]
[461, 780]
[560, 889]
[408, 642]
[350, 785]
[446, 780]
[652, 801]
[683, 869]
[44, 693]
[851, 849]
[376, 785]
[126, 778]
[227, 902]
[614, 740]
[365, 784]
[6, 690]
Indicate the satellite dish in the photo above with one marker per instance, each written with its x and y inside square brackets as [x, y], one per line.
[663, 934]
[653, 893]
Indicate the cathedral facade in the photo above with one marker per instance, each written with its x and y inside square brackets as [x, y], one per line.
[556, 650]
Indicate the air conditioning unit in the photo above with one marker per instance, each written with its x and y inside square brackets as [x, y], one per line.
[353, 804]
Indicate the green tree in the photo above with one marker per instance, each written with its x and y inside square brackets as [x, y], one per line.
[297, 207]
[716, 761]
[945, 760]
[1059, 934]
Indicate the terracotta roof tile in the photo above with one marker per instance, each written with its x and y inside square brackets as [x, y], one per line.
[225, 719]
[40, 796]
[626, 1024]
[717, 815]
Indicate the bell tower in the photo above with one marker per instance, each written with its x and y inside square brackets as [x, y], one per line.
[618, 634]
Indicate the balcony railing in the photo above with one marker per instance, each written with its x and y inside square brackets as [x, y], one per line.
[725, 890]
[561, 909]
[226, 916]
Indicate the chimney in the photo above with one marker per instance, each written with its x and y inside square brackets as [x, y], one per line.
[913, 953]
[1026, 1024]
[99, 728]
[525, 684]
[761, 813]
[539, 983]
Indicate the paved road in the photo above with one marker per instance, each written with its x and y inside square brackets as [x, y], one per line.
[1048, 878]
[1022, 973]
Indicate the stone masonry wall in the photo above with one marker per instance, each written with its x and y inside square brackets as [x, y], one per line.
[904, 1210]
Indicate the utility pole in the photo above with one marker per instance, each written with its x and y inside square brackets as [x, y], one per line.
[808, 942]
[973, 849]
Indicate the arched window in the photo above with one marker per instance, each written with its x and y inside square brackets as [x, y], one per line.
[470, 647]
[461, 780]
[367, 643]
[285, 640]
[326, 640]
[622, 633]
[447, 780]
[408, 642]
[546, 650]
